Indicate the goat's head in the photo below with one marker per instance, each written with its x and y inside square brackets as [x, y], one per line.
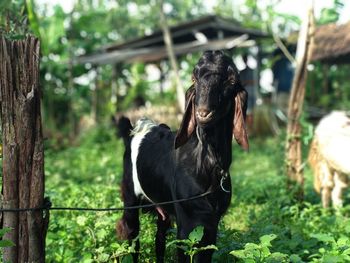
[215, 93]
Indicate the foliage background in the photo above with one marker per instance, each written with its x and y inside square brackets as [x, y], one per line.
[70, 89]
[83, 166]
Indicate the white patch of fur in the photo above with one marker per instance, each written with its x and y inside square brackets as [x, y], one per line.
[331, 156]
[333, 135]
[142, 127]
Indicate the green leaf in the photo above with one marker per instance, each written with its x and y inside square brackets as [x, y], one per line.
[266, 239]
[196, 234]
[101, 234]
[103, 257]
[6, 243]
[322, 250]
[32, 17]
[87, 258]
[238, 253]
[347, 228]
[277, 257]
[343, 241]
[295, 259]
[251, 246]
[184, 248]
[81, 220]
[346, 251]
[323, 238]
[265, 251]
[332, 259]
[178, 242]
[4, 231]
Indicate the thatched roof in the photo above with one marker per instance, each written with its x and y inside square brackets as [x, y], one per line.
[332, 44]
[216, 33]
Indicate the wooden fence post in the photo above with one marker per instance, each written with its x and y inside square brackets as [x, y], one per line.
[180, 93]
[23, 153]
[296, 100]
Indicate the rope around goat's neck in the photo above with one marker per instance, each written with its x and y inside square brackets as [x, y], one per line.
[198, 135]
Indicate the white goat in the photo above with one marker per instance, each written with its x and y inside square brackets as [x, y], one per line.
[329, 157]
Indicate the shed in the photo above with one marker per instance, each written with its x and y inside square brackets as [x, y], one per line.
[208, 32]
[332, 44]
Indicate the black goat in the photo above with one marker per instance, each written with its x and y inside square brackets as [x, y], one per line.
[161, 166]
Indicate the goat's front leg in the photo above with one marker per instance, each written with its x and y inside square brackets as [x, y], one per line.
[337, 192]
[326, 184]
[185, 227]
[209, 238]
[163, 224]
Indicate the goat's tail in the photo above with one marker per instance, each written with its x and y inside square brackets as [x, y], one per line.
[123, 126]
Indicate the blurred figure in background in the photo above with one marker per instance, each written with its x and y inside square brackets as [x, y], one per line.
[283, 73]
[250, 84]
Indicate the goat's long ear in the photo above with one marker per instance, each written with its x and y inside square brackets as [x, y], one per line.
[188, 123]
[239, 125]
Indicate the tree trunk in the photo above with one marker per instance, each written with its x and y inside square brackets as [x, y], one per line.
[171, 54]
[114, 87]
[23, 154]
[296, 100]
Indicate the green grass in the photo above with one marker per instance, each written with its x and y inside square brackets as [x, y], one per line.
[89, 175]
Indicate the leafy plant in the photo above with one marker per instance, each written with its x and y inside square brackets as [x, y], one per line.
[333, 250]
[190, 245]
[123, 251]
[13, 19]
[4, 242]
[260, 252]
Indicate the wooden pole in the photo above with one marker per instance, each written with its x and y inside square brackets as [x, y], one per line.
[171, 54]
[296, 100]
[114, 87]
[23, 153]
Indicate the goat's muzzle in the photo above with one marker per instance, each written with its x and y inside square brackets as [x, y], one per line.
[204, 116]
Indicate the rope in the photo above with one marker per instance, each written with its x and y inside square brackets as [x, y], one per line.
[47, 206]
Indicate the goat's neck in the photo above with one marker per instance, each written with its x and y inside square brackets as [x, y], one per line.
[215, 144]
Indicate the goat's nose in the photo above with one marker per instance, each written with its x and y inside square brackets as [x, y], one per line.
[202, 112]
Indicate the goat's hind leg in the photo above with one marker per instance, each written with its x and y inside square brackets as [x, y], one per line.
[128, 227]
